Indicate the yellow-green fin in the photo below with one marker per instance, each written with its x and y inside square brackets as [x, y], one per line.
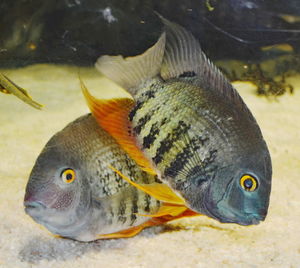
[160, 191]
[112, 116]
[167, 209]
[9, 87]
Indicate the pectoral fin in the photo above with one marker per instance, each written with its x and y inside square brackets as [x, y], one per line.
[159, 191]
[112, 115]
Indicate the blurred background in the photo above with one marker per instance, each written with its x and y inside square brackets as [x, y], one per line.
[79, 31]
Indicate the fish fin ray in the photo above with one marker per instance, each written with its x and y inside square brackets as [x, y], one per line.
[152, 222]
[131, 71]
[184, 57]
[124, 233]
[167, 209]
[159, 191]
[112, 116]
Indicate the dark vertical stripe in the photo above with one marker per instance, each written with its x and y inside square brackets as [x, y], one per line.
[121, 212]
[150, 138]
[142, 122]
[182, 158]
[153, 134]
[149, 94]
[188, 152]
[167, 143]
[131, 166]
[147, 202]
[137, 106]
[134, 208]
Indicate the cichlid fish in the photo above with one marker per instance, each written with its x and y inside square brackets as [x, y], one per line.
[188, 125]
[73, 193]
[9, 87]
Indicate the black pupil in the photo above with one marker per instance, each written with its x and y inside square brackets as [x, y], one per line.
[69, 177]
[248, 183]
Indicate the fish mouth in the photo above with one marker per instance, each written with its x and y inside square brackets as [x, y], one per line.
[231, 215]
[33, 208]
[236, 218]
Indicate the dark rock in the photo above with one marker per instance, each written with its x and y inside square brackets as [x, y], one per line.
[79, 31]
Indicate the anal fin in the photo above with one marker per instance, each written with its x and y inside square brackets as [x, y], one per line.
[124, 233]
[154, 221]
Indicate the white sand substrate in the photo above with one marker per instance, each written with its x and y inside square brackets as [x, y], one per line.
[194, 242]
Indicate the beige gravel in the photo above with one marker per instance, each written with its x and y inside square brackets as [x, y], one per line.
[195, 242]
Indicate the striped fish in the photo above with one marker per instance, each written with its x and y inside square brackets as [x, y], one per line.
[187, 124]
[73, 192]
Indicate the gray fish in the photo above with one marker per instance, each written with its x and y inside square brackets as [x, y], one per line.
[73, 192]
[192, 126]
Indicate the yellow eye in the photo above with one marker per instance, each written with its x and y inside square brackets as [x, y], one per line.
[68, 175]
[248, 183]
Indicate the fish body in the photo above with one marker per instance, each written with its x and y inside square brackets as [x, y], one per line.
[193, 127]
[74, 194]
[205, 141]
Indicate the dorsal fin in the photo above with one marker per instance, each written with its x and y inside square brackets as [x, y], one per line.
[183, 55]
[131, 71]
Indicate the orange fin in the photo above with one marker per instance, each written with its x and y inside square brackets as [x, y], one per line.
[112, 115]
[152, 222]
[167, 209]
[124, 233]
[160, 191]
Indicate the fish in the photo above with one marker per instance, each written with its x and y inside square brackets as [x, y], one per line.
[74, 193]
[9, 87]
[188, 125]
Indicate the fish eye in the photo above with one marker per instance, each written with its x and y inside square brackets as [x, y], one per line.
[248, 183]
[68, 175]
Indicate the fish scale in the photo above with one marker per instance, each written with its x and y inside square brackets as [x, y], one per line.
[99, 203]
[109, 152]
[191, 127]
[173, 156]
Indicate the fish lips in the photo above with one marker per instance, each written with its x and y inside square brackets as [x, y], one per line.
[32, 206]
[53, 220]
[36, 209]
[232, 216]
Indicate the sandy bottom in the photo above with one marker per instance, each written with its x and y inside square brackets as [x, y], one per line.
[195, 242]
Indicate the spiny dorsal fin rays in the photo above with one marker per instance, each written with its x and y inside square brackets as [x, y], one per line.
[183, 54]
[112, 116]
[132, 71]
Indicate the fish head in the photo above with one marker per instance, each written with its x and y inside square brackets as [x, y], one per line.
[58, 194]
[239, 193]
